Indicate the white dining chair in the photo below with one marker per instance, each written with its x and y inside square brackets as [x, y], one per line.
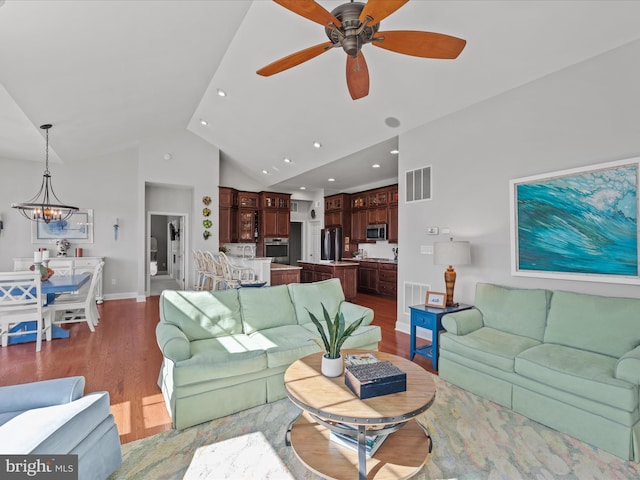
[76, 308]
[213, 273]
[21, 310]
[62, 267]
[237, 272]
[200, 264]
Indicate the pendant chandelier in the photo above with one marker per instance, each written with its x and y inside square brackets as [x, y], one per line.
[40, 207]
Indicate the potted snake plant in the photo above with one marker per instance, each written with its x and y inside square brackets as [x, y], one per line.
[332, 362]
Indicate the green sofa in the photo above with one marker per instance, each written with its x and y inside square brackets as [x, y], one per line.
[226, 351]
[567, 360]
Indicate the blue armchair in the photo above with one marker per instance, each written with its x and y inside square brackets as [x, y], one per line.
[55, 417]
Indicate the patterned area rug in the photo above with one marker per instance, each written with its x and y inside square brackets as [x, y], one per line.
[474, 439]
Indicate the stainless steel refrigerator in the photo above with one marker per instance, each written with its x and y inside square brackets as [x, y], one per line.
[331, 243]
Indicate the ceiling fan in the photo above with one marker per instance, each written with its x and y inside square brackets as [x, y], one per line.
[355, 24]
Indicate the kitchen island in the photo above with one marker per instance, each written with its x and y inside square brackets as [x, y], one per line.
[347, 272]
[282, 274]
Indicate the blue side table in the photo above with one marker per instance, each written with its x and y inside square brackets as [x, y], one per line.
[431, 319]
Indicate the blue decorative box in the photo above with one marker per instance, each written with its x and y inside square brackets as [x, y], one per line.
[375, 379]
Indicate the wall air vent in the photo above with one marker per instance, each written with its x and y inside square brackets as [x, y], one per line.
[414, 294]
[418, 184]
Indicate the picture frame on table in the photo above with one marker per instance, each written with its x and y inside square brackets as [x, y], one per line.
[436, 299]
[78, 228]
[578, 224]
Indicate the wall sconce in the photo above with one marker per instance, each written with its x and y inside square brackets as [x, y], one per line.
[1, 225]
[116, 226]
[450, 253]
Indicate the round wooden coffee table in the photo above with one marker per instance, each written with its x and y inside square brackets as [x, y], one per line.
[326, 401]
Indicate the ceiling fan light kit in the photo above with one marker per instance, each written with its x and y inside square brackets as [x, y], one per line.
[352, 25]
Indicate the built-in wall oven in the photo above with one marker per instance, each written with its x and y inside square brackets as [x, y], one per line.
[278, 249]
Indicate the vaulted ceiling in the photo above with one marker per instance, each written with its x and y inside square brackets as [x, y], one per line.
[108, 73]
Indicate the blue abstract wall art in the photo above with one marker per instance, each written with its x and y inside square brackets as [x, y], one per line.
[579, 224]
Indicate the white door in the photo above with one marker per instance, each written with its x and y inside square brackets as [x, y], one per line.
[314, 241]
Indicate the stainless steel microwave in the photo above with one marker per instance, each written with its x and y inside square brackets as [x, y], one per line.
[377, 232]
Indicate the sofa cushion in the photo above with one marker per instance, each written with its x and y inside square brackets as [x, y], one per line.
[286, 344]
[220, 357]
[364, 336]
[312, 296]
[513, 310]
[202, 315]
[266, 307]
[488, 345]
[606, 325]
[580, 372]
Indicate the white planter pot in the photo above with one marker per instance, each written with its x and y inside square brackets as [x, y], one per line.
[332, 367]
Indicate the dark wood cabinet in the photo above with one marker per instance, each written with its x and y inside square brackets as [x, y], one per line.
[392, 229]
[378, 278]
[376, 215]
[346, 272]
[368, 277]
[337, 213]
[388, 279]
[276, 215]
[228, 214]
[359, 226]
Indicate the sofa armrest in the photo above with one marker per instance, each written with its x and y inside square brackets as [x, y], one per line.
[46, 393]
[173, 343]
[628, 366]
[353, 313]
[463, 322]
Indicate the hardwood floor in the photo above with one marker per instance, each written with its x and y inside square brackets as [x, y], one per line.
[123, 358]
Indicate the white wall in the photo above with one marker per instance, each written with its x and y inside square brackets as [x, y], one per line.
[194, 165]
[583, 115]
[101, 184]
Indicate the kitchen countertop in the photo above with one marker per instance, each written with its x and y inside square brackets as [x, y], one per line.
[331, 264]
[282, 266]
[376, 260]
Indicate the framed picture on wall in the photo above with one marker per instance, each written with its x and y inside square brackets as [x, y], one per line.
[78, 228]
[435, 299]
[578, 224]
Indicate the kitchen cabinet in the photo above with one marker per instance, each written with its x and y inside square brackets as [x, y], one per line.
[346, 272]
[248, 217]
[376, 215]
[378, 278]
[276, 215]
[388, 279]
[228, 214]
[337, 212]
[392, 229]
[284, 274]
[368, 277]
[358, 226]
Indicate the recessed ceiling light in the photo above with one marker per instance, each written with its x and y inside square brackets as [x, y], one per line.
[266, 172]
[375, 165]
[203, 122]
[222, 93]
[286, 160]
[317, 144]
[303, 188]
[395, 151]
[392, 122]
[167, 156]
[331, 179]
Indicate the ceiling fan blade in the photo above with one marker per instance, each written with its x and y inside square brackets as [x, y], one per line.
[420, 44]
[380, 9]
[357, 76]
[294, 59]
[310, 10]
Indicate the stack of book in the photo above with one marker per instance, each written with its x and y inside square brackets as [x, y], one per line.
[372, 442]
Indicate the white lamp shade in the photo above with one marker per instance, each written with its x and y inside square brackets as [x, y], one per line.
[451, 253]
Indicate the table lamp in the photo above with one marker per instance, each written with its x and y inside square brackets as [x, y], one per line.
[451, 253]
